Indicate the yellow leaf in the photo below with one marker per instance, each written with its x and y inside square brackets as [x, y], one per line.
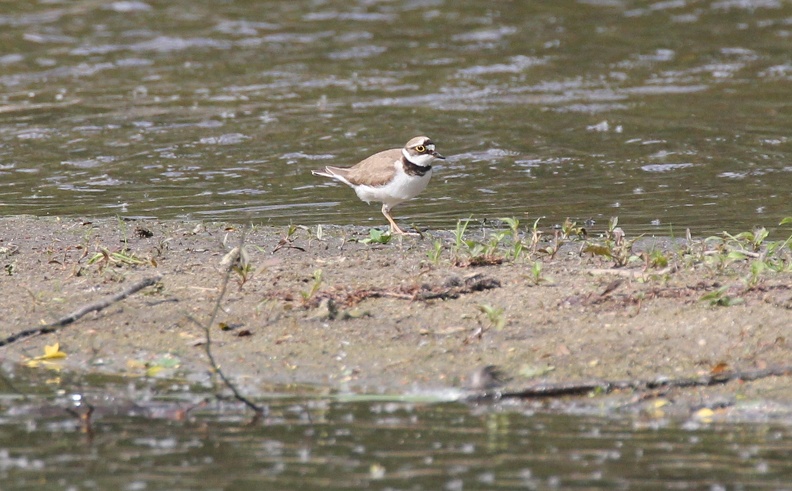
[52, 352]
[35, 363]
[704, 415]
[153, 371]
[658, 403]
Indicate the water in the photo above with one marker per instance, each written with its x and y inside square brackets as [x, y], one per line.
[323, 442]
[667, 114]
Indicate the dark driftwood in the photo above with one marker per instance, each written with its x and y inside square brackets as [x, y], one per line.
[85, 309]
[452, 289]
[605, 387]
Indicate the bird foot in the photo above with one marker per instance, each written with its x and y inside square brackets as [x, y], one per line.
[398, 231]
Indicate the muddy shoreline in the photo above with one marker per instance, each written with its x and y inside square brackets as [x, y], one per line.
[320, 307]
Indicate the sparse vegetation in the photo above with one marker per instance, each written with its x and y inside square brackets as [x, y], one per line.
[121, 257]
[243, 267]
[287, 239]
[390, 308]
[536, 273]
[494, 315]
[570, 229]
[435, 252]
[499, 246]
[614, 246]
[720, 297]
[517, 243]
[377, 236]
[307, 295]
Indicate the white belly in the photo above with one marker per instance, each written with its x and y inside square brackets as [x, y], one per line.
[402, 188]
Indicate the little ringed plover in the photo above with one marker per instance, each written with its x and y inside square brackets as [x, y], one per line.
[389, 177]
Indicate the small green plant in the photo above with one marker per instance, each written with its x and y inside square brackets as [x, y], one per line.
[656, 258]
[613, 222]
[615, 246]
[536, 235]
[468, 252]
[755, 276]
[747, 241]
[517, 243]
[317, 283]
[763, 256]
[122, 257]
[459, 234]
[377, 236]
[782, 246]
[163, 245]
[570, 228]
[495, 243]
[714, 261]
[287, 239]
[494, 316]
[243, 269]
[435, 252]
[536, 273]
[238, 260]
[720, 298]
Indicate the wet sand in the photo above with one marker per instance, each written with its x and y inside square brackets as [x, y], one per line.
[395, 318]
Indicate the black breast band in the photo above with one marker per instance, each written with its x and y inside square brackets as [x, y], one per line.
[413, 169]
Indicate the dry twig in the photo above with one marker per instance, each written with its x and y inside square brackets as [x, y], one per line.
[82, 311]
[605, 386]
[259, 410]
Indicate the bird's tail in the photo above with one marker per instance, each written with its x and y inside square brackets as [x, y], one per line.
[324, 173]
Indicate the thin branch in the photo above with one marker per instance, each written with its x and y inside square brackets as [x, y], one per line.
[82, 311]
[606, 387]
[631, 273]
[475, 283]
[208, 328]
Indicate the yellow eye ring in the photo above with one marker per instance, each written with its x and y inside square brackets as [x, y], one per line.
[420, 149]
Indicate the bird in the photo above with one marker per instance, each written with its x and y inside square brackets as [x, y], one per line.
[389, 177]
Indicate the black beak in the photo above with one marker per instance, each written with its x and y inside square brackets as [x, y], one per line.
[436, 155]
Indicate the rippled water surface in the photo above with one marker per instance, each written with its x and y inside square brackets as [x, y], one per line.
[668, 114]
[324, 442]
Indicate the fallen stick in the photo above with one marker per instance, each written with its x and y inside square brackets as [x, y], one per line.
[85, 309]
[631, 273]
[606, 387]
[475, 283]
[235, 259]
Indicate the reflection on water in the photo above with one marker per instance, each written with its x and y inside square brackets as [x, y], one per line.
[317, 442]
[667, 114]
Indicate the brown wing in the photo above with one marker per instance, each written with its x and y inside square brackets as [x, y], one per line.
[375, 170]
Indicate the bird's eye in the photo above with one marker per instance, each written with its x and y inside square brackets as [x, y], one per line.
[420, 149]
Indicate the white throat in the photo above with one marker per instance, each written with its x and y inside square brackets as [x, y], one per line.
[423, 160]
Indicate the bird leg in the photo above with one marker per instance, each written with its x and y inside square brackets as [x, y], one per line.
[393, 227]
